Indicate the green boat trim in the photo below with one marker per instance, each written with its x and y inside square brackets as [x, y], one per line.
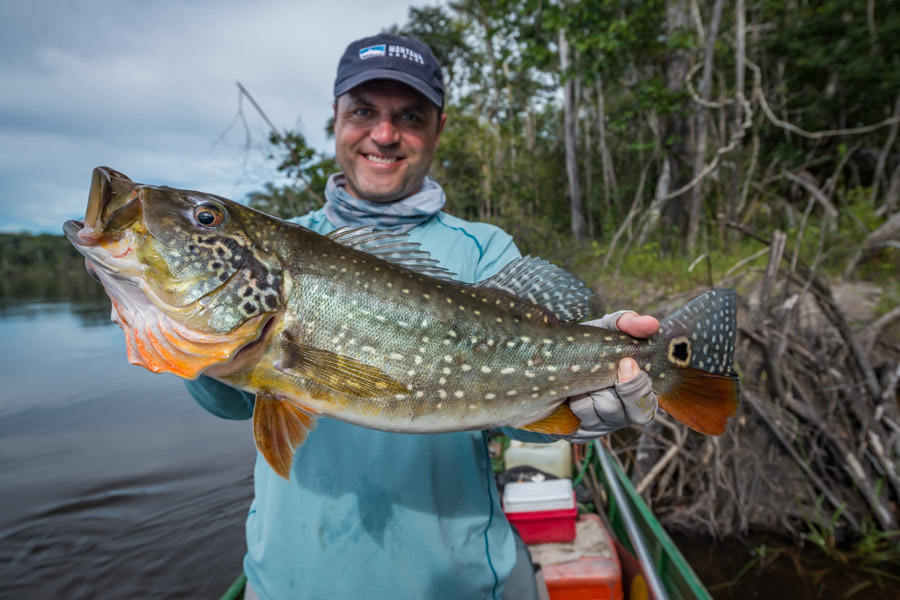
[678, 579]
[236, 591]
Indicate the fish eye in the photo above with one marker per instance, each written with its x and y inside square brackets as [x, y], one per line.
[209, 216]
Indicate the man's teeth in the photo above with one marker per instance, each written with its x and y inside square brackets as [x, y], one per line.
[385, 160]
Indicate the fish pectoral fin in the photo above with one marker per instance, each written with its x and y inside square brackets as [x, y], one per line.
[337, 372]
[702, 401]
[280, 426]
[562, 421]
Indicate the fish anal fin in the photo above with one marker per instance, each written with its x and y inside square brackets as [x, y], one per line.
[562, 421]
[337, 372]
[702, 401]
[280, 426]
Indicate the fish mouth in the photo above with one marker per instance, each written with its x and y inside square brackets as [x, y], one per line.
[114, 204]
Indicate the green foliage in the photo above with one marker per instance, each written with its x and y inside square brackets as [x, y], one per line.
[309, 168]
[44, 267]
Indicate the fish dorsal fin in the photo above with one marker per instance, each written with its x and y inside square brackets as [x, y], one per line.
[545, 285]
[336, 372]
[280, 426]
[392, 247]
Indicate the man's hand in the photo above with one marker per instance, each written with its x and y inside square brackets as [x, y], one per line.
[635, 325]
[631, 400]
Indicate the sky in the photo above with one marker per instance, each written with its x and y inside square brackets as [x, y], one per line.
[149, 89]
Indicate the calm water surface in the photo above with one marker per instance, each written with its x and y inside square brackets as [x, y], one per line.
[116, 484]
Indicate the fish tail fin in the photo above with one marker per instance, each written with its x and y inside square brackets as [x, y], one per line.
[280, 426]
[700, 351]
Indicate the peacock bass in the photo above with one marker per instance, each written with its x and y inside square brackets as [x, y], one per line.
[363, 326]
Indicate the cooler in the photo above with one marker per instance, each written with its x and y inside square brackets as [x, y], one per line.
[541, 511]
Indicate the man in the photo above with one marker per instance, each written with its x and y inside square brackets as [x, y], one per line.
[370, 514]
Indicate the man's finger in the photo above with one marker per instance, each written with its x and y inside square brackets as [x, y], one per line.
[639, 326]
[628, 368]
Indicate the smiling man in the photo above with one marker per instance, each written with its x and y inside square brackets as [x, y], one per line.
[372, 514]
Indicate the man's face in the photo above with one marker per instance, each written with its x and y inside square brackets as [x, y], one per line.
[385, 137]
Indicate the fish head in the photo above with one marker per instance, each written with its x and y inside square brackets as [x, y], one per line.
[191, 276]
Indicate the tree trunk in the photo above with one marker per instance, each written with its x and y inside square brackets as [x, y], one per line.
[696, 206]
[571, 135]
[675, 129]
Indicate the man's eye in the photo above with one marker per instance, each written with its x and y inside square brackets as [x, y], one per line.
[411, 117]
[362, 112]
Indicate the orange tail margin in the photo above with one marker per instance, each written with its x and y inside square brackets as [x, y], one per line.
[702, 401]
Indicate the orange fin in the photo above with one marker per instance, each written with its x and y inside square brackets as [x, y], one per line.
[702, 401]
[561, 421]
[280, 426]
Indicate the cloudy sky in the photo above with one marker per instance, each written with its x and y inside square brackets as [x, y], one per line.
[148, 88]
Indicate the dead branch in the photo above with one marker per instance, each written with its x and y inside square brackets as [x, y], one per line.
[813, 135]
[280, 137]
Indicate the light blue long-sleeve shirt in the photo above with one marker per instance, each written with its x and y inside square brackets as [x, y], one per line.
[371, 514]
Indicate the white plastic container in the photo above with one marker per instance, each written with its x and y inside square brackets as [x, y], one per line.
[555, 458]
[532, 496]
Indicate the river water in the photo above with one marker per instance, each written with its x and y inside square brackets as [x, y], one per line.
[116, 484]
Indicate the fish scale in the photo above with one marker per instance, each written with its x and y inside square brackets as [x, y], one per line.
[364, 326]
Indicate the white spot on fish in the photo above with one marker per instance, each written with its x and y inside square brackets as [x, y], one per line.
[490, 396]
[396, 356]
[512, 393]
[485, 369]
[507, 370]
[458, 393]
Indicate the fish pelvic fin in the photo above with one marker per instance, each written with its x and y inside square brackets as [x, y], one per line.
[280, 426]
[700, 353]
[562, 421]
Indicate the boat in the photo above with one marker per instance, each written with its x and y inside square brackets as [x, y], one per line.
[649, 564]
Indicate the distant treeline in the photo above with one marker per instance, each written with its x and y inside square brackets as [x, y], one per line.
[45, 267]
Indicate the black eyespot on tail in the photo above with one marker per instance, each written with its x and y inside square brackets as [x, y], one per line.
[680, 351]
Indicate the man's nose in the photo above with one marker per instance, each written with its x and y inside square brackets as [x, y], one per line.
[384, 132]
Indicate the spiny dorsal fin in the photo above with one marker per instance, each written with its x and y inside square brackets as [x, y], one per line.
[392, 247]
[336, 372]
[545, 285]
[280, 426]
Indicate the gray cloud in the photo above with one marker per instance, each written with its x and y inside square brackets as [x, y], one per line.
[148, 88]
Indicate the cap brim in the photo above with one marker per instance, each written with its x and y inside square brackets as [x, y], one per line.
[413, 82]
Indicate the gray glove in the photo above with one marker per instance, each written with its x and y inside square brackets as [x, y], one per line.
[603, 411]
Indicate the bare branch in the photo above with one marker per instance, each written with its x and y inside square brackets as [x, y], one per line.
[277, 133]
[813, 135]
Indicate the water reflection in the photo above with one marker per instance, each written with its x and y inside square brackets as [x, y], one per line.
[116, 484]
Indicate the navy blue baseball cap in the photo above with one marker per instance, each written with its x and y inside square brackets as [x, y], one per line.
[388, 56]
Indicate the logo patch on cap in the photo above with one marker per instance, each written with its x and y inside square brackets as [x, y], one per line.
[372, 51]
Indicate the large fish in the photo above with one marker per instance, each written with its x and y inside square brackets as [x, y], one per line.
[363, 326]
